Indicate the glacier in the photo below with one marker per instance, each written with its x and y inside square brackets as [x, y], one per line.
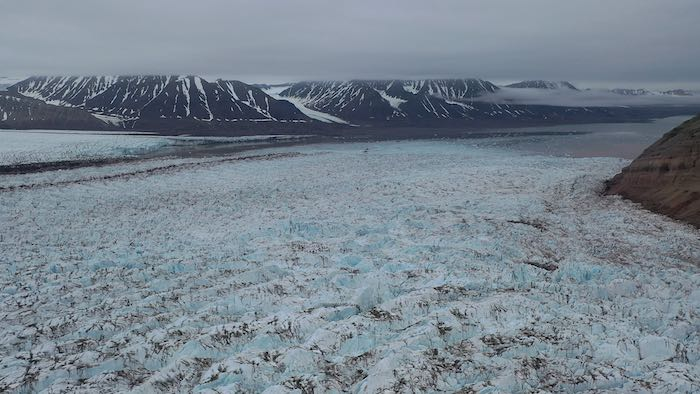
[47, 146]
[37, 146]
[364, 267]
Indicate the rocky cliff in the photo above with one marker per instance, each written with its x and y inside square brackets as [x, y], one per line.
[666, 177]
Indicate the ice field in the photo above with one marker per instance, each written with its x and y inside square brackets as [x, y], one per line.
[366, 267]
[21, 147]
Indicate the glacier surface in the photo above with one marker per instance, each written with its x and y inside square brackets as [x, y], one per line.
[22, 147]
[383, 267]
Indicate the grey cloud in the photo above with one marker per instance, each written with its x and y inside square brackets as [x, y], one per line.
[650, 40]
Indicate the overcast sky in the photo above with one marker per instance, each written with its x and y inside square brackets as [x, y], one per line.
[633, 41]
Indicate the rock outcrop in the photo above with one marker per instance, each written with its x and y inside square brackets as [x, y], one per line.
[665, 178]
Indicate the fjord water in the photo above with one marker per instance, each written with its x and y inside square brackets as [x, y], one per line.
[623, 140]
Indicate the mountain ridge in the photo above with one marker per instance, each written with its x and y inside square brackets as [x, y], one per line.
[543, 84]
[646, 92]
[387, 100]
[189, 103]
[168, 97]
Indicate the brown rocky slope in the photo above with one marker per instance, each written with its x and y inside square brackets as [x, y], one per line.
[665, 178]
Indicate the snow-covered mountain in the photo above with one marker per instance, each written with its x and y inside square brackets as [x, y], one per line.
[164, 97]
[381, 100]
[350, 100]
[679, 92]
[437, 101]
[645, 92]
[541, 84]
[631, 92]
[184, 103]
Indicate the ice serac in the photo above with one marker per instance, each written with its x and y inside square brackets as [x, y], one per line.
[455, 269]
[666, 177]
[161, 97]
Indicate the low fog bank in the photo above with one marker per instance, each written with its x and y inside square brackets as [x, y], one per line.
[585, 98]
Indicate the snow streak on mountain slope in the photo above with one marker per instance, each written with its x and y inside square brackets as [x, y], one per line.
[453, 269]
[275, 90]
[313, 114]
[170, 97]
[168, 103]
[347, 100]
[453, 89]
[67, 91]
[394, 99]
[257, 99]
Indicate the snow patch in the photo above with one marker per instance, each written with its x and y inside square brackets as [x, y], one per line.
[395, 102]
[313, 114]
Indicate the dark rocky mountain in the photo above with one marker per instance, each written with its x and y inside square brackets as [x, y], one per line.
[387, 100]
[187, 104]
[666, 177]
[351, 100]
[452, 89]
[540, 84]
[18, 112]
[136, 99]
[678, 92]
[631, 92]
[645, 92]
[444, 101]
[271, 85]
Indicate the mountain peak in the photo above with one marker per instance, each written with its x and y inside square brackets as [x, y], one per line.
[161, 97]
[542, 84]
